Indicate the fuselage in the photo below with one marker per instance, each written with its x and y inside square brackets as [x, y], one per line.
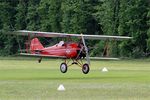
[69, 50]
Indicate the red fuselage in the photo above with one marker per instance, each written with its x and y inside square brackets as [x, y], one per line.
[62, 49]
[69, 50]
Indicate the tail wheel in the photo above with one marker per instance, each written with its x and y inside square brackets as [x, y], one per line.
[85, 68]
[63, 67]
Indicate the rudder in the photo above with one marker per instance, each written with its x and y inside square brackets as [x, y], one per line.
[36, 45]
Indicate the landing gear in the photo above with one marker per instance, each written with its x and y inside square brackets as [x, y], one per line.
[63, 67]
[85, 68]
[39, 60]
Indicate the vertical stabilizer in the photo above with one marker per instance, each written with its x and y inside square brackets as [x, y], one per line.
[36, 45]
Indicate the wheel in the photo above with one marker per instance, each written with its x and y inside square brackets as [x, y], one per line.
[63, 67]
[85, 68]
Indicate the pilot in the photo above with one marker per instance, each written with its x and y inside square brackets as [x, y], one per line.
[61, 43]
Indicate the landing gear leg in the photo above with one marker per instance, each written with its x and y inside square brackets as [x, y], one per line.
[63, 67]
[39, 60]
[85, 68]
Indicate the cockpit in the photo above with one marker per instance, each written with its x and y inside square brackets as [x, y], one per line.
[61, 43]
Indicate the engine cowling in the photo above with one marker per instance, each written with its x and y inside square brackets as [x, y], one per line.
[71, 51]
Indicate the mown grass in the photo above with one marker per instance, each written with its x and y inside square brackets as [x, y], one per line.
[25, 79]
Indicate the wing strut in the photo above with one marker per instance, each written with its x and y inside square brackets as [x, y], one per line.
[86, 50]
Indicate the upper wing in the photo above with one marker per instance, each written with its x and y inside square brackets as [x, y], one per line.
[53, 34]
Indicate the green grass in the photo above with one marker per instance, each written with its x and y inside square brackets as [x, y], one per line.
[25, 79]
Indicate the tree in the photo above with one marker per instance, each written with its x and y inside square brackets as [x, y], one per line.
[133, 23]
[33, 19]
[55, 15]
[148, 32]
[21, 15]
[107, 15]
[7, 16]
[77, 17]
[43, 12]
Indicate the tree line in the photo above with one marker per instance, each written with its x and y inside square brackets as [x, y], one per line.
[104, 17]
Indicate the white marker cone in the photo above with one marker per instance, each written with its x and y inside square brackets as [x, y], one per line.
[104, 69]
[61, 88]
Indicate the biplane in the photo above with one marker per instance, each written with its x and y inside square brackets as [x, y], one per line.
[69, 51]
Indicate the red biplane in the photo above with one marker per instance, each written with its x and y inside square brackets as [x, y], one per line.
[67, 50]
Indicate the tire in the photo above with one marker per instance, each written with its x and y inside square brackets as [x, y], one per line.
[85, 68]
[63, 67]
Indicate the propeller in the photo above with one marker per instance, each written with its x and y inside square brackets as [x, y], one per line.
[86, 50]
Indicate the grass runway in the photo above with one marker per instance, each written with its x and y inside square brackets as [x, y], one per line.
[25, 79]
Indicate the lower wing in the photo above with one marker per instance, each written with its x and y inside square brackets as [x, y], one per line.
[104, 58]
[41, 55]
[55, 56]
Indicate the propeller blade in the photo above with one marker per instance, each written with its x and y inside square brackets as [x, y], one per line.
[86, 50]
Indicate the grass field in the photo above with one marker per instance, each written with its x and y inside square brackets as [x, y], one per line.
[25, 79]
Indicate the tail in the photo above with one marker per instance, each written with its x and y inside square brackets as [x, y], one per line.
[36, 45]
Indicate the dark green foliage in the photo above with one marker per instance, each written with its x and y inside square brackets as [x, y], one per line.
[97, 50]
[125, 17]
[43, 11]
[133, 23]
[148, 32]
[108, 17]
[33, 19]
[55, 15]
[107, 14]
[21, 14]
[77, 17]
[8, 44]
